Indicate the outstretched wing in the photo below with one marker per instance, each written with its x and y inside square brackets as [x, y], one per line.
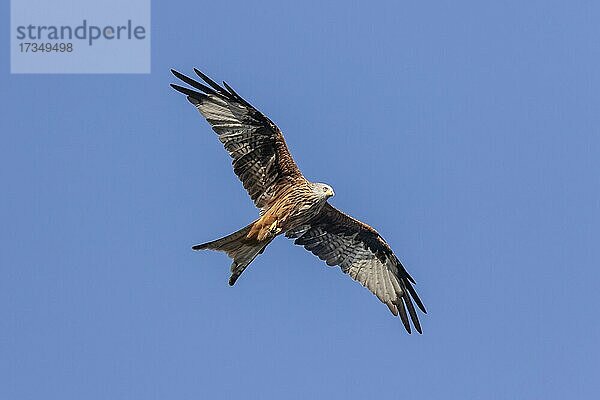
[361, 252]
[260, 155]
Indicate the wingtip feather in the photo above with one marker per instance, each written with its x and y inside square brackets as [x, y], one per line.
[209, 81]
[188, 92]
[403, 316]
[413, 314]
[416, 297]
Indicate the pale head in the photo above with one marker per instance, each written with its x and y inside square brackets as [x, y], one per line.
[322, 190]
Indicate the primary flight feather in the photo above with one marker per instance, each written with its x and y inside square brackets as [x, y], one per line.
[289, 204]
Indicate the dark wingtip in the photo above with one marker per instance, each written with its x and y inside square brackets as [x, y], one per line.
[415, 296]
[413, 314]
[185, 90]
[235, 95]
[403, 316]
[210, 82]
[193, 83]
[230, 89]
[193, 96]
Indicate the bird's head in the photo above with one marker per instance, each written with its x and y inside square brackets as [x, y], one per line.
[323, 190]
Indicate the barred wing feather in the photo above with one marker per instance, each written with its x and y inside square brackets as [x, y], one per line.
[261, 159]
[361, 252]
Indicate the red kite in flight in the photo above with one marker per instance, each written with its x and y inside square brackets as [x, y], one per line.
[289, 204]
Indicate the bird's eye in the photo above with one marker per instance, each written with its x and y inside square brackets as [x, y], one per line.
[324, 189]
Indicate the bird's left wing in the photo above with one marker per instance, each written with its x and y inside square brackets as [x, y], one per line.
[361, 252]
[261, 159]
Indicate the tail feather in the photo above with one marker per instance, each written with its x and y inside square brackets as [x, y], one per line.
[241, 249]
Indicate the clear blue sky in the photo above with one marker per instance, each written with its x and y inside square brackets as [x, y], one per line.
[467, 133]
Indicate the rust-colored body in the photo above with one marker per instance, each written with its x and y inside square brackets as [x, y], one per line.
[293, 208]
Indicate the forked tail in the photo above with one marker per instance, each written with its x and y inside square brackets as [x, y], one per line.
[241, 249]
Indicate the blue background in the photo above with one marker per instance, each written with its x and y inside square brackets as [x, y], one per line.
[467, 133]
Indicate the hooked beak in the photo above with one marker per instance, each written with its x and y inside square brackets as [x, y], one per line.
[330, 193]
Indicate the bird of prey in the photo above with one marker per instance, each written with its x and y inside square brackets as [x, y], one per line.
[291, 205]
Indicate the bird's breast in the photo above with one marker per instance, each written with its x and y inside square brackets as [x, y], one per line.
[302, 205]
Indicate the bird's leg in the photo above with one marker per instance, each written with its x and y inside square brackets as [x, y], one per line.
[274, 229]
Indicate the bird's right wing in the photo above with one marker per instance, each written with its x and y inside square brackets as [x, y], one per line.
[361, 252]
[261, 159]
